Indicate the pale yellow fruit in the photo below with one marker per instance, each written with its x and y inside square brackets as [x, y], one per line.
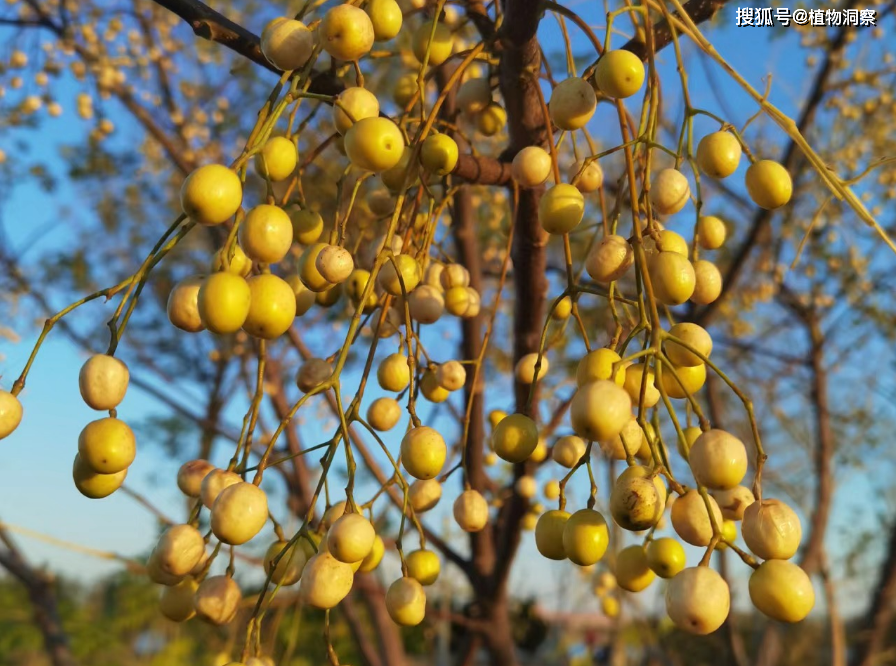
[609, 606]
[265, 234]
[691, 434]
[619, 73]
[474, 95]
[632, 571]
[406, 602]
[239, 513]
[374, 144]
[629, 441]
[325, 581]
[393, 373]
[277, 159]
[609, 259]
[768, 184]
[665, 241]
[350, 539]
[673, 278]
[331, 515]
[431, 389]
[698, 600]
[454, 275]
[568, 451]
[155, 573]
[691, 521]
[346, 32]
[524, 371]
[386, 17]
[718, 460]
[426, 304]
[439, 46]
[224, 301]
[637, 500]
[734, 501]
[383, 414]
[374, 557]
[718, 154]
[491, 119]
[307, 268]
[329, 297]
[103, 382]
[600, 410]
[213, 483]
[289, 568]
[563, 309]
[526, 487]
[694, 336]
[782, 591]
[561, 209]
[423, 452]
[515, 437]
[211, 194]
[356, 285]
[451, 375]
[335, 264]
[771, 529]
[471, 511]
[711, 232]
[633, 377]
[354, 104]
[176, 602]
[424, 494]
[439, 154]
[549, 534]
[180, 548]
[495, 417]
[708, 282]
[729, 534]
[666, 557]
[107, 445]
[669, 191]
[93, 485]
[400, 275]
[531, 166]
[423, 566]
[588, 176]
[552, 489]
[572, 103]
[287, 44]
[183, 304]
[307, 226]
[272, 307]
[313, 373]
[403, 175]
[217, 600]
[598, 364]
[585, 537]
[689, 381]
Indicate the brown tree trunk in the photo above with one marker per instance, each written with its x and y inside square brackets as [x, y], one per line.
[875, 626]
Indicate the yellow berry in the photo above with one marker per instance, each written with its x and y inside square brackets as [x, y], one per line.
[471, 511]
[354, 104]
[734, 501]
[374, 144]
[711, 232]
[103, 382]
[707, 282]
[277, 159]
[691, 520]
[266, 234]
[307, 226]
[406, 602]
[531, 166]
[92, 484]
[673, 278]
[183, 305]
[346, 32]
[424, 494]
[423, 566]
[598, 364]
[718, 154]
[439, 154]
[393, 373]
[718, 460]
[771, 529]
[638, 499]
[217, 600]
[609, 259]
[491, 119]
[289, 569]
[568, 451]
[107, 446]
[768, 184]
[585, 537]
[211, 194]
[439, 46]
[632, 572]
[239, 513]
[351, 538]
[599, 410]
[386, 17]
[515, 437]
[694, 336]
[423, 452]
[572, 103]
[325, 581]
[286, 43]
[619, 74]
[549, 534]
[561, 209]
[224, 301]
[689, 381]
[272, 307]
[383, 414]
[669, 191]
[666, 557]
[698, 600]
[782, 591]
[374, 557]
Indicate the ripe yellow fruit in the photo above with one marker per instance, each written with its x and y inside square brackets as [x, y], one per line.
[374, 557]
[693, 335]
[598, 364]
[272, 307]
[495, 417]
[350, 539]
[630, 441]
[211, 194]
[782, 591]
[451, 375]
[524, 371]
[217, 600]
[718, 154]
[383, 414]
[552, 489]
[239, 513]
[386, 17]
[771, 529]
[403, 280]
[307, 226]
[729, 534]
[585, 537]
[266, 234]
[531, 166]
[526, 487]
[561, 209]
[515, 437]
[107, 446]
[176, 602]
[600, 410]
[711, 232]
[440, 45]
[431, 389]
[224, 301]
[673, 278]
[474, 95]
[287, 44]
[669, 191]
[93, 485]
[568, 451]
[374, 144]
[454, 275]
[313, 373]
[691, 521]
[393, 373]
[471, 511]
[633, 377]
[439, 154]
[213, 483]
[610, 606]
[354, 104]
[335, 264]
[232, 260]
[307, 268]
[718, 460]
[305, 298]
[619, 74]
[329, 296]
[529, 521]
[183, 305]
[609, 259]
[346, 32]
[277, 159]
[768, 184]
[689, 381]
[406, 602]
[563, 309]
[589, 174]
[155, 573]
[424, 494]
[179, 550]
[632, 572]
[638, 499]
[491, 119]
[103, 381]
[423, 452]
[698, 600]
[405, 89]
[666, 557]
[549, 534]
[734, 501]
[572, 103]
[331, 515]
[423, 566]
[289, 568]
[325, 581]
[666, 241]
[708, 282]
[395, 177]
[426, 304]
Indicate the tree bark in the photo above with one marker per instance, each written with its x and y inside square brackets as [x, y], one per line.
[875, 626]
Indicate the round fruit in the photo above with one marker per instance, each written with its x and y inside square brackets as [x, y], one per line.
[619, 74]
[666, 557]
[549, 534]
[572, 103]
[183, 305]
[277, 159]
[213, 483]
[471, 511]
[374, 557]
[782, 591]
[628, 442]
[423, 566]
[374, 144]
[103, 381]
[331, 515]
[633, 377]
[266, 234]
[734, 502]
[525, 368]
[211, 194]
[451, 375]
[289, 569]
[383, 414]
[718, 460]
[600, 410]
[568, 451]
[397, 178]
[768, 184]
[526, 487]
[690, 519]
[552, 489]
[231, 259]
[224, 301]
[708, 282]
[561, 209]
[689, 381]
[771, 529]
[354, 104]
[335, 264]
[491, 119]
[176, 602]
[107, 446]
[393, 373]
[386, 17]
[179, 550]
[423, 452]
[346, 32]
[637, 500]
[325, 581]
[692, 335]
[155, 573]
[669, 192]
[454, 275]
[563, 309]
[217, 600]
[665, 241]
[474, 95]
[307, 226]
[590, 176]
[718, 154]
[239, 513]
[272, 307]
[431, 389]
[632, 572]
[598, 364]
[350, 539]
[609, 259]
[585, 537]
[406, 602]
[313, 373]
[610, 606]
[424, 494]
[515, 437]
[406, 88]
[531, 166]
[673, 278]
[286, 43]
[426, 304]
[307, 268]
[711, 232]
[439, 154]
[93, 485]
[698, 600]
[407, 268]
[439, 46]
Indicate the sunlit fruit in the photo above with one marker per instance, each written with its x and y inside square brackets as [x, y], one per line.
[692, 335]
[531, 166]
[734, 501]
[698, 600]
[406, 602]
[718, 154]
[610, 606]
[729, 534]
[515, 437]
[638, 499]
[103, 381]
[769, 184]
[374, 557]
[332, 514]
[231, 259]
[155, 573]
[423, 566]
[526, 486]
[665, 241]
[598, 364]
[374, 144]
[107, 446]
[289, 568]
[561, 209]
[176, 602]
[183, 305]
[718, 460]
[383, 414]
[711, 232]
[312, 373]
[632, 571]
[393, 373]
[325, 581]
[771, 529]
[431, 389]
[354, 104]
[609, 259]
[272, 307]
[471, 511]
[399, 275]
[549, 534]
[93, 485]
[307, 268]
[669, 191]
[568, 451]
[405, 89]
[439, 154]
[350, 538]
[211, 194]
[266, 234]
[619, 73]
[423, 452]
[277, 159]
[491, 119]
[454, 275]
[213, 483]
[426, 304]
[239, 513]
[563, 309]
[451, 375]
[424, 494]
[600, 410]
[585, 537]
[588, 176]
[691, 520]
[439, 45]
[708, 282]
[525, 372]
[307, 226]
[403, 175]
[335, 264]
[217, 600]
[386, 17]
[628, 442]
[179, 549]
[572, 103]
[346, 32]
[286, 43]
[782, 591]
[666, 557]
[673, 278]
[688, 381]
[634, 377]
[224, 301]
